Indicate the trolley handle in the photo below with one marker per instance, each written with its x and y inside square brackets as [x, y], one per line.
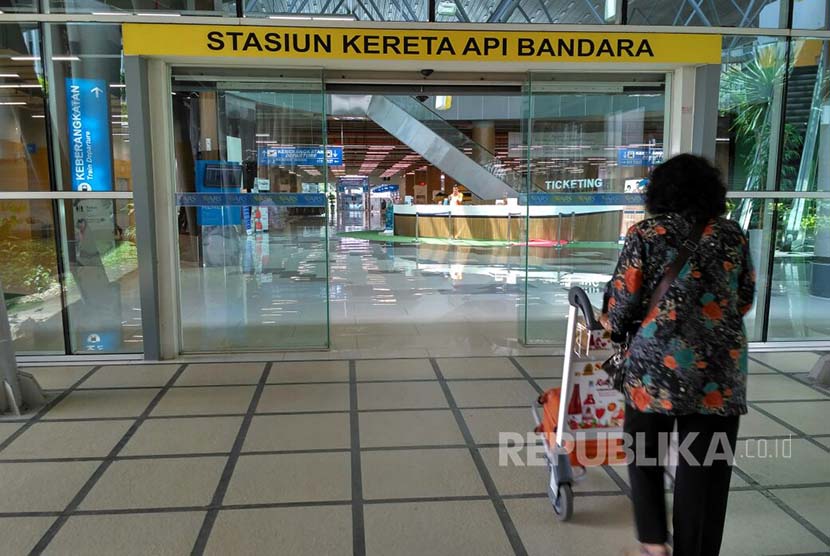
[579, 299]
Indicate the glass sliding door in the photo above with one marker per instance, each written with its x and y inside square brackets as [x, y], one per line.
[589, 148]
[251, 207]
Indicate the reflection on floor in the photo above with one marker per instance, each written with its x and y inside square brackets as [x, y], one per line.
[377, 457]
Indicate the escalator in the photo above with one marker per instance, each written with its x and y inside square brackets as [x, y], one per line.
[438, 142]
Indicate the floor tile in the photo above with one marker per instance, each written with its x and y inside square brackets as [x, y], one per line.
[205, 400]
[778, 387]
[533, 475]
[136, 534]
[263, 479]
[67, 440]
[304, 397]
[808, 417]
[755, 423]
[755, 525]
[807, 463]
[309, 371]
[208, 374]
[296, 531]
[412, 395]
[493, 393]
[809, 503]
[409, 428]
[486, 424]
[547, 383]
[41, 487]
[298, 432]
[6, 430]
[198, 435]
[420, 473]
[542, 366]
[435, 528]
[478, 367]
[21, 534]
[395, 369]
[756, 368]
[159, 483]
[57, 378]
[600, 525]
[114, 376]
[103, 403]
[788, 362]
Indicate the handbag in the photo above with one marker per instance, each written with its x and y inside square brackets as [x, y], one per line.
[614, 366]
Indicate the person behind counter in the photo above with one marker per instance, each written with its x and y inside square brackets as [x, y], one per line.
[457, 197]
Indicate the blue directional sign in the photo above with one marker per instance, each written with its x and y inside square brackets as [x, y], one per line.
[639, 157]
[386, 188]
[300, 156]
[90, 147]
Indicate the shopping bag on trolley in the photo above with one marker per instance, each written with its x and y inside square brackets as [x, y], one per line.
[584, 416]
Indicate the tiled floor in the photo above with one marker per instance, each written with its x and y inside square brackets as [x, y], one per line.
[364, 457]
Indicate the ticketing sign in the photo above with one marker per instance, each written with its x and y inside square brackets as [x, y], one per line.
[90, 147]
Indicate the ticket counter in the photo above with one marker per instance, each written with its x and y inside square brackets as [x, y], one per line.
[506, 223]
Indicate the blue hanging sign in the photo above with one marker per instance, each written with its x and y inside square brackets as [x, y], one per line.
[300, 156]
[387, 188]
[639, 157]
[90, 147]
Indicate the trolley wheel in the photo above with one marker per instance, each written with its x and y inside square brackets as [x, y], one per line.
[562, 502]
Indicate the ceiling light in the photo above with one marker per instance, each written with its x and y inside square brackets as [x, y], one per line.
[158, 14]
[263, 134]
[39, 116]
[65, 59]
[20, 86]
[25, 58]
[15, 103]
[117, 86]
[298, 17]
[11, 75]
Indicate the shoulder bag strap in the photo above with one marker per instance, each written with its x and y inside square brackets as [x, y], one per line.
[689, 246]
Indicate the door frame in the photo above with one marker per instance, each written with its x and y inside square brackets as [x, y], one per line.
[692, 90]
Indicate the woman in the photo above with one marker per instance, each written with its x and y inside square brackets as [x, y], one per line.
[687, 362]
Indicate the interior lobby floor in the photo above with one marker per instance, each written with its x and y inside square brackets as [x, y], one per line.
[378, 457]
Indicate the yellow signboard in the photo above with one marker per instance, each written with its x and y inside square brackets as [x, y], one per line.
[418, 44]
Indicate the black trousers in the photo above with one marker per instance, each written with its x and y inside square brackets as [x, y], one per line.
[700, 491]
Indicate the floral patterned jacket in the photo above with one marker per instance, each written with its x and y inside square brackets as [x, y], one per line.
[690, 353]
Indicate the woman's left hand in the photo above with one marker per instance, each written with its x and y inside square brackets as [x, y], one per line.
[603, 320]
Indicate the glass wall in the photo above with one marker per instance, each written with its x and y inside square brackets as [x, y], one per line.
[253, 270]
[773, 102]
[69, 264]
[587, 12]
[327, 10]
[735, 13]
[588, 154]
[142, 7]
[70, 269]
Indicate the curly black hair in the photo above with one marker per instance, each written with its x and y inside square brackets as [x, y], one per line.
[686, 184]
